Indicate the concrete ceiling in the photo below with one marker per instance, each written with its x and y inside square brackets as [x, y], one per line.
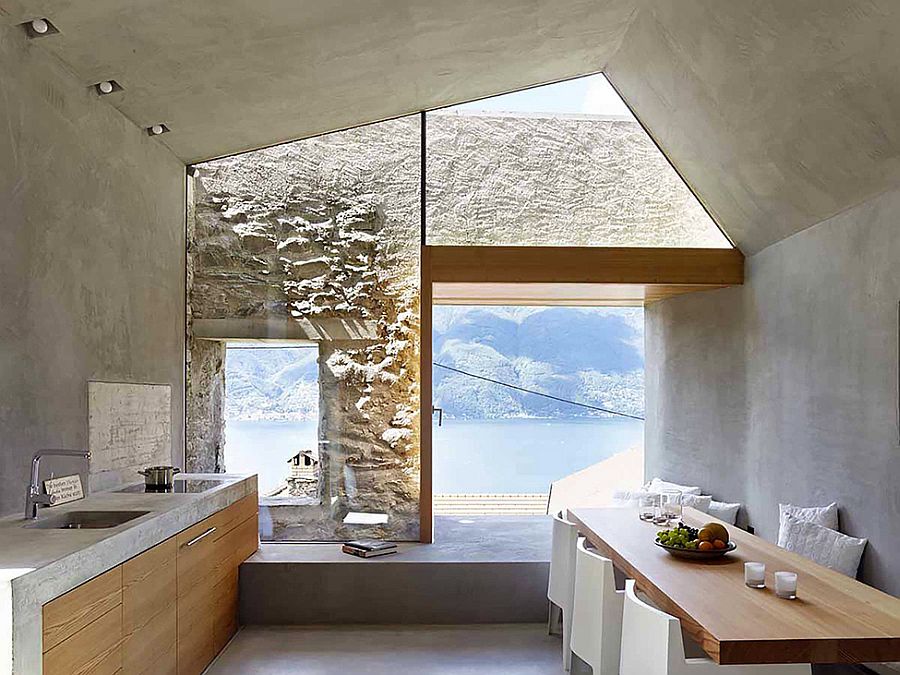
[234, 75]
[779, 114]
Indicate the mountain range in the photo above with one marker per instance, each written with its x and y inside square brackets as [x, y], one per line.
[592, 356]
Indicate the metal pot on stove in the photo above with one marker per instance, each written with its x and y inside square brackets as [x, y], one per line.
[159, 476]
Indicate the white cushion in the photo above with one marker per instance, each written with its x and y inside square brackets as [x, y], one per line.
[658, 485]
[822, 545]
[628, 495]
[724, 511]
[699, 502]
[826, 516]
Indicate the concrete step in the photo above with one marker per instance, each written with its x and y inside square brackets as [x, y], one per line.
[480, 569]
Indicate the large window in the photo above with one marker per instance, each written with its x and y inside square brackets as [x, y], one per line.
[561, 165]
[532, 395]
[315, 243]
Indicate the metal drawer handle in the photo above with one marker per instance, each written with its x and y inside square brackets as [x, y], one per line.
[198, 538]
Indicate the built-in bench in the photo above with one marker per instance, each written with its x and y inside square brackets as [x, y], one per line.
[481, 569]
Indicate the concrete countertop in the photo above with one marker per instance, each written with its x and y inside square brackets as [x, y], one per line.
[37, 565]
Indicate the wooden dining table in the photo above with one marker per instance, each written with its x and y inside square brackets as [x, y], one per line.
[834, 619]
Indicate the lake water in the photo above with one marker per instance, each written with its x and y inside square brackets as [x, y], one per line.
[482, 456]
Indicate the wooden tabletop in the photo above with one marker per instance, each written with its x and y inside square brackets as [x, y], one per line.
[835, 619]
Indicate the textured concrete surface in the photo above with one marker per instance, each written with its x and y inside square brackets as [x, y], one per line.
[91, 260]
[387, 650]
[38, 565]
[779, 114]
[479, 570]
[229, 75]
[786, 390]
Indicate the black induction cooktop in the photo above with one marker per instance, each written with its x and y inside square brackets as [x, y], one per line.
[185, 486]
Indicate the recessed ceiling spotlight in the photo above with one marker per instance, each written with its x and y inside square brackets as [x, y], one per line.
[39, 27]
[107, 87]
[157, 129]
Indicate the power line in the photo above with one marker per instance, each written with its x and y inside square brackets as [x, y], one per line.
[537, 393]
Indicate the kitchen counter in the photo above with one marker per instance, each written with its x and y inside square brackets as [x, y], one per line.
[37, 565]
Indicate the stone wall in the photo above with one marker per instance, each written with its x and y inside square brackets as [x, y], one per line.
[320, 230]
[328, 228]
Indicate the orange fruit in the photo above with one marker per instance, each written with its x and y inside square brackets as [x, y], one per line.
[705, 546]
[718, 543]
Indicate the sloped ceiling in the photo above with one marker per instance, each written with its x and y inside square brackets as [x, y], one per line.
[779, 114]
[233, 75]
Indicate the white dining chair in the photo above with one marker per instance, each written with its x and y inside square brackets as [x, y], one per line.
[597, 611]
[561, 587]
[651, 645]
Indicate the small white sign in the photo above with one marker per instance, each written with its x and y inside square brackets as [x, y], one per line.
[64, 489]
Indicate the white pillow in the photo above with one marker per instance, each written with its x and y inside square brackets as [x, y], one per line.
[658, 485]
[628, 495]
[724, 511]
[699, 502]
[826, 516]
[822, 545]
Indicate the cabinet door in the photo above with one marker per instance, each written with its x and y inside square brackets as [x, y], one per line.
[149, 612]
[195, 562]
[231, 550]
[82, 630]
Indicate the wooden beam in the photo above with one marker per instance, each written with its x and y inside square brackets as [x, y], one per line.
[570, 295]
[587, 265]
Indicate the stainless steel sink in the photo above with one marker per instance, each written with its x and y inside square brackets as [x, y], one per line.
[86, 520]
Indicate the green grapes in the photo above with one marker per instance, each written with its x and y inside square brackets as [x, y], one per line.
[679, 537]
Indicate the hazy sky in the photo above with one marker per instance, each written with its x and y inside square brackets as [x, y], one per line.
[591, 94]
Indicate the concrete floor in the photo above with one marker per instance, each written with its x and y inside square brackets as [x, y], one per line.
[499, 649]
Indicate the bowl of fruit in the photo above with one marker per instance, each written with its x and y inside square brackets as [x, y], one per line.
[710, 541]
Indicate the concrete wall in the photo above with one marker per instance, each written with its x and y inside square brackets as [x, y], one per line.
[786, 389]
[91, 259]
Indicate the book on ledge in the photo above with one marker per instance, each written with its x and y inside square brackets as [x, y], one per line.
[369, 548]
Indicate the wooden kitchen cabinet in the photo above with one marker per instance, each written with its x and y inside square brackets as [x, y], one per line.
[167, 611]
[208, 557]
[149, 612]
[82, 630]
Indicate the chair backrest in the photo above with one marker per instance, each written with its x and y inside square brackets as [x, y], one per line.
[597, 612]
[561, 587]
[651, 639]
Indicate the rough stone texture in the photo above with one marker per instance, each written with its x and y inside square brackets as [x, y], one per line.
[91, 260]
[329, 227]
[573, 180]
[204, 449]
[785, 390]
[321, 229]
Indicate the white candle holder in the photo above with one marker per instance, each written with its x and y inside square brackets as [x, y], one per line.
[755, 574]
[786, 585]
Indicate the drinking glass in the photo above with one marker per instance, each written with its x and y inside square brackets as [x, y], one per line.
[786, 585]
[671, 503]
[755, 574]
[647, 506]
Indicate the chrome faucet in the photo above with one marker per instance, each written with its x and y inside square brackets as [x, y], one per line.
[34, 497]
